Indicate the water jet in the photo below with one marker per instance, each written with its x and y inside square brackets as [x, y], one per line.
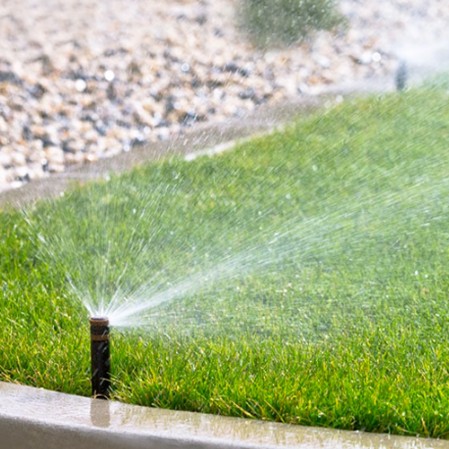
[100, 357]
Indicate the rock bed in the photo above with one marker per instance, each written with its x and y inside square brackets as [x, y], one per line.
[83, 80]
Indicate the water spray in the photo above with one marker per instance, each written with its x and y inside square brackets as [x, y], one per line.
[100, 357]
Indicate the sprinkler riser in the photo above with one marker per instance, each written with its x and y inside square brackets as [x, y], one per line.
[100, 357]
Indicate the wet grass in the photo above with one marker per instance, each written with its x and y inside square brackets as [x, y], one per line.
[332, 308]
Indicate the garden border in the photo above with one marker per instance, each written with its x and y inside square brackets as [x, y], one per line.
[32, 418]
[202, 139]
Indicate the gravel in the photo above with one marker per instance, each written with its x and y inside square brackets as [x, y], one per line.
[83, 80]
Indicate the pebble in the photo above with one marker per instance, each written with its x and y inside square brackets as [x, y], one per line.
[80, 81]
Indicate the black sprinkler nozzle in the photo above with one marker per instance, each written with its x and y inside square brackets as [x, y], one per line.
[402, 76]
[100, 357]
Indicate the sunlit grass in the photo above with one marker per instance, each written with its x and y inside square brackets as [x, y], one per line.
[330, 307]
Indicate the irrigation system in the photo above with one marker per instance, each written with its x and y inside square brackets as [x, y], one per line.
[100, 357]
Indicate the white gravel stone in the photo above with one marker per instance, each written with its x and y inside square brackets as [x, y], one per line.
[54, 155]
[84, 80]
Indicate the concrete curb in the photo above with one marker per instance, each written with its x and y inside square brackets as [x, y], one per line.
[32, 418]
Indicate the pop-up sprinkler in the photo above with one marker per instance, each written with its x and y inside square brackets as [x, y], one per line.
[100, 357]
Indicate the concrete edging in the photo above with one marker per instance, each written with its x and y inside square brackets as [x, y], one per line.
[32, 418]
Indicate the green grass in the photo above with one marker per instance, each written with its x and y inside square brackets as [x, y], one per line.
[333, 307]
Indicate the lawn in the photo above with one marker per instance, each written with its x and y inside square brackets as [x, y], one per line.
[300, 278]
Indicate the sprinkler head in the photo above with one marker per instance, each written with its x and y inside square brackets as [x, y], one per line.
[100, 357]
[402, 75]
